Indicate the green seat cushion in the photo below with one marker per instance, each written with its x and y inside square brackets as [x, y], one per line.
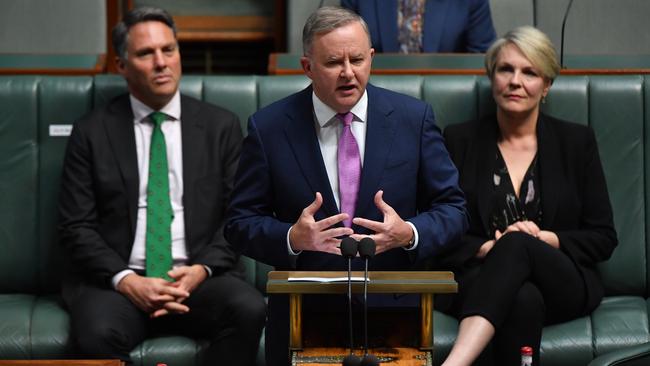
[445, 328]
[15, 320]
[568, 343]
[620, 321]
[171, 350]
[50, 329]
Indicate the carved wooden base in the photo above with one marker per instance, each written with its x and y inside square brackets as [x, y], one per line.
[386, 356]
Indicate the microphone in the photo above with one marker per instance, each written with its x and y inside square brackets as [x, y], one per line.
[367, 248]
[349, 250]
[566, 15]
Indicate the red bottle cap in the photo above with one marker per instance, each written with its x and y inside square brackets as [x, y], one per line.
[526, 351]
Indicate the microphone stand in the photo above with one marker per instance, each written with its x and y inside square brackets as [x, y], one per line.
[349, 250]
[367, 248]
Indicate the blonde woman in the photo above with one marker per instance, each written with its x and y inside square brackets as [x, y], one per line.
[540, 212]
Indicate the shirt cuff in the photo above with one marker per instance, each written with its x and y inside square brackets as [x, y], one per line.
[291, 252]
[416, 237]
[207, 269]
[119, 276]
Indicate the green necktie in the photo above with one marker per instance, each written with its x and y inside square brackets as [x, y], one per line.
[159, 207]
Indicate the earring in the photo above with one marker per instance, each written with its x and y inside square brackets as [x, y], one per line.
[544, 99]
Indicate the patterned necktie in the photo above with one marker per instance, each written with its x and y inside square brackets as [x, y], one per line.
[159, 207]
[349, 164]
[409, 23]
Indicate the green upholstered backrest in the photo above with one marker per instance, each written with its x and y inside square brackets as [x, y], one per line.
[61, 100]
[33, 109]
[616, 113]
[18, 184]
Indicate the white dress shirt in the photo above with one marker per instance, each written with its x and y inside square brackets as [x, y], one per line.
[328, 130]
[171, 129]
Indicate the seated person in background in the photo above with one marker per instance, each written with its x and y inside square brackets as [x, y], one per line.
[540, 213]
[143, 226]
[414, 26]
[341, 157]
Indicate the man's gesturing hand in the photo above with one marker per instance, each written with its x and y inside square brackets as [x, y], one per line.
[393, 232]
[320, 236]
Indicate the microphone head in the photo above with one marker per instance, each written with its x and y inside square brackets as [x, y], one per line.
[351, 360]
[367, 247]
[369, 360]
[349, 247]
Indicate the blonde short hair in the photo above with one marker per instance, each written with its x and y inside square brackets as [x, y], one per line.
[534, 44]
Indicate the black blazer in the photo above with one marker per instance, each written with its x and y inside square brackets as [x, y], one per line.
[575, 202]
[99, 189]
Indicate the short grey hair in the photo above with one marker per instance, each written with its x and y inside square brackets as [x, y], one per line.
[133, 17]
[534, 44]
[325, 20]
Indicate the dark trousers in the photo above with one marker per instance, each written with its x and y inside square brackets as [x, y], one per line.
[522, 285]
[225, 310]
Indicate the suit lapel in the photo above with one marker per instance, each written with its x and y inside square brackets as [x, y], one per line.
[487, 138]
[118, 125]
[434, 23]
[301, 136]
[380, 133]
[550, 170]
[192, 133]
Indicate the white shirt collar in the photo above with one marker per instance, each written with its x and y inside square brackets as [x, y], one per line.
[141, 110]
[324, 113]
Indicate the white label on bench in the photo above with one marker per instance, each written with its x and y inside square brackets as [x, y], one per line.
[60, 130]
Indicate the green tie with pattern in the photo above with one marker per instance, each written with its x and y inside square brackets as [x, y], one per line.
[159, 207]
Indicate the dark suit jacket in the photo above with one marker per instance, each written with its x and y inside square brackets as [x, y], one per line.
[281, 169]
[449, 25]
[575, 202]
[99, 189]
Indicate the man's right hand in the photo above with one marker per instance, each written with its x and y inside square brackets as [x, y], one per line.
[320, 236]
[150, 294]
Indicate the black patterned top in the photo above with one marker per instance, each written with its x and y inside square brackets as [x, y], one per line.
[507, 208]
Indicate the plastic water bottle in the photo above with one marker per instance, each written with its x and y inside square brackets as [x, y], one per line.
[526, 356]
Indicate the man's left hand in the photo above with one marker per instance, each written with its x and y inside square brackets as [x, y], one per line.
[186, 278]
[393, 232]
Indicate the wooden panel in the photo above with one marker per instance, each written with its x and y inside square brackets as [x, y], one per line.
[387, 356]
[380, 282]
[52, 64]
[470, 64]
[224, 28]
[61, 363]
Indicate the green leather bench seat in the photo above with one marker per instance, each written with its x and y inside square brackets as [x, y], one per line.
[36, 112]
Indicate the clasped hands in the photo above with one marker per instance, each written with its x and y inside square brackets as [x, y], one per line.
[321, 236]
[157, 296]
[528, 227]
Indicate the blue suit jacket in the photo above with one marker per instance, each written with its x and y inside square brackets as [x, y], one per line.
[281, 169]
[449, 25]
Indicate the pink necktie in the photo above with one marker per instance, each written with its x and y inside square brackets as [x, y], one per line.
[349, 163]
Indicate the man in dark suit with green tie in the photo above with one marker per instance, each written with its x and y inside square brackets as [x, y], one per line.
[145, 185]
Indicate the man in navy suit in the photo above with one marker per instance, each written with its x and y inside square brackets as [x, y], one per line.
[290, 204]
[446, 25]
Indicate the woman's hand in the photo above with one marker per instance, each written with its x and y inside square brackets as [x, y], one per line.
[549, 238]
[485, 248]
[530, 228]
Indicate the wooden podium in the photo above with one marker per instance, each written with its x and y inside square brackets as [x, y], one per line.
[297, 283]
